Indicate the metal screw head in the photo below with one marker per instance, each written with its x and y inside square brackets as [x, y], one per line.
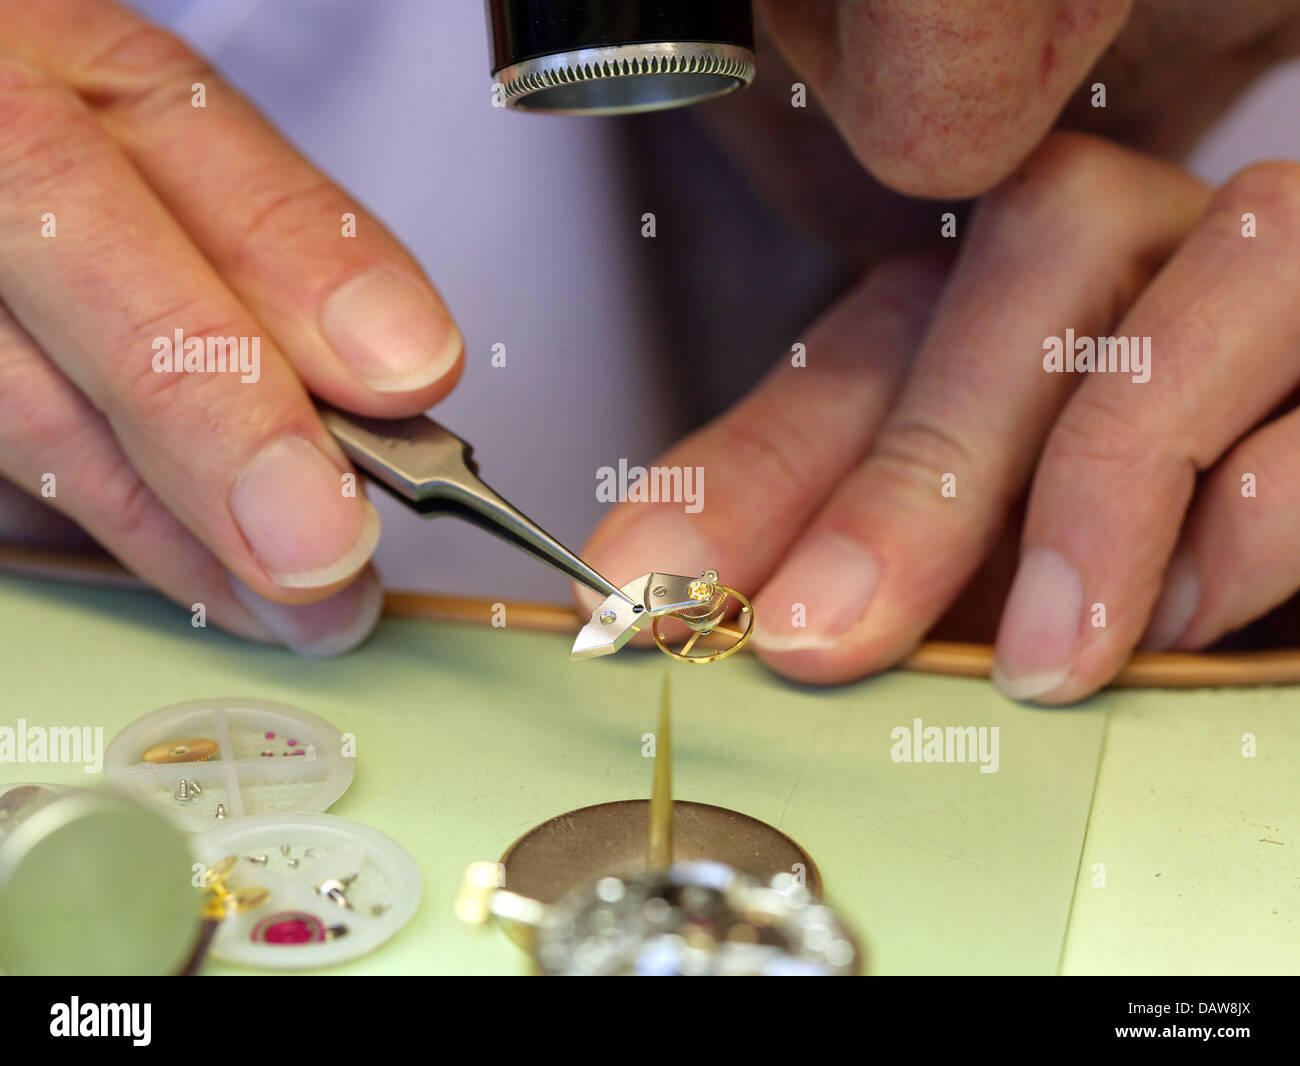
[333, 889]
[659, 590]
[607, 617]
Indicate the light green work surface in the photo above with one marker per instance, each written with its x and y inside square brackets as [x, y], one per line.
[467, 737]
[1192, 860]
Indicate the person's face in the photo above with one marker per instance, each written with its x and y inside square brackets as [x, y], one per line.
[943, 97]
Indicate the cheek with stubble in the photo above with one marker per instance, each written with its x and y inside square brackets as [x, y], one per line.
[943, 98]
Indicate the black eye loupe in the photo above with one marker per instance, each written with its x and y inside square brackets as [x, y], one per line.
[619, 57]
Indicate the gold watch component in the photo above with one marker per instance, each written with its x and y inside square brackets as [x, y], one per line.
[185, 749]
[701, 606]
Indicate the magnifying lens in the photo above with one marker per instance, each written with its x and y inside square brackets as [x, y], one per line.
[618, 57]
[92, 884]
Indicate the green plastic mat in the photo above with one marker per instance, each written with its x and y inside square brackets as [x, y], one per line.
[467, 737]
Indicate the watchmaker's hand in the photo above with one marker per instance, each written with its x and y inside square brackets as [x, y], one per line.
[861, 492]
[144, 205]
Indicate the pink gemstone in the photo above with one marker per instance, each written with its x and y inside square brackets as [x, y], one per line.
[293, 929]
[270, 736]
[292, 743]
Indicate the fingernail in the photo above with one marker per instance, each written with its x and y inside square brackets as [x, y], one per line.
[1176, 605]
[819, 594]
[289, 504]
[662, 539]
[323, 629]
[394, 334]
[1040, 626]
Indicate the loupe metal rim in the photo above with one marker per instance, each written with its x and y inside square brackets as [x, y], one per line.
[48, 817]
[593, 81]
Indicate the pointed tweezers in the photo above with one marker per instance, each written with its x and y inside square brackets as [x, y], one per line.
[432, 471]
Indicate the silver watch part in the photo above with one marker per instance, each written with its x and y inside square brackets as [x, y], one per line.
[695, 919]
[616, 621]
[626, 79]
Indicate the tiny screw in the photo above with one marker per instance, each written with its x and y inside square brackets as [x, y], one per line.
[259, 859]
[607, 617]
[334, 889]
[659, 590]
[221, 811]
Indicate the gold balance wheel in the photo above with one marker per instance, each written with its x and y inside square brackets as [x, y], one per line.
[708, 620]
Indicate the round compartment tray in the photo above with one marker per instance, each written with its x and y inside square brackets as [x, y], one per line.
[240, 778]
[383, 896]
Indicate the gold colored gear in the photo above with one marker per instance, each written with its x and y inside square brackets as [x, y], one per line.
[740, 637]
[186, 749]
